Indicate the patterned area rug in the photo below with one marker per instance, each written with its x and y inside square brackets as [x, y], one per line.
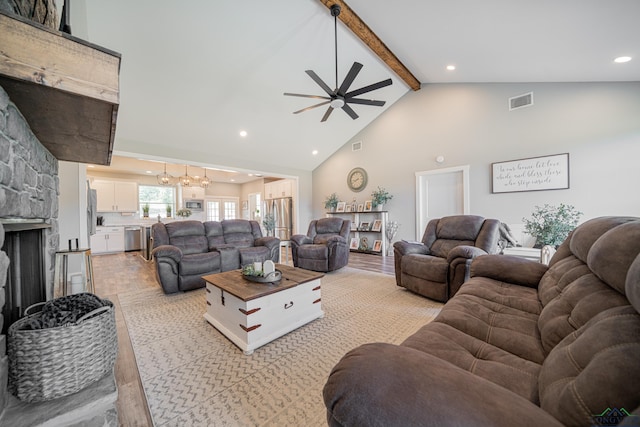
[193, 375]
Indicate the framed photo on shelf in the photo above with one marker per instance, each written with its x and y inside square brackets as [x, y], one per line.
[364, 226]
[360, 207]
[377, 225]
[341, 206]
[354, 226]
[354, 243]
[377, 246]
[367, 206]
[347, 208]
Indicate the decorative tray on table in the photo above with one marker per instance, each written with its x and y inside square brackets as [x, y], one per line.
[259, 276]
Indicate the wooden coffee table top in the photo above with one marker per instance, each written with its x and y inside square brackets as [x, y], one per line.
[234, 283]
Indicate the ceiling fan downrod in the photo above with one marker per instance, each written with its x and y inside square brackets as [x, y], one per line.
[335, 12]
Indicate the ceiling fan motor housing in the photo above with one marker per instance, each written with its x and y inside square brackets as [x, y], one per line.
[335, 10]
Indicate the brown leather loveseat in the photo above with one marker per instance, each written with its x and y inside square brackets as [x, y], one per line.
[519, 344]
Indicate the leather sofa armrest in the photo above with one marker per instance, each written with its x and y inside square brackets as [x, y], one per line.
[221, 247]
[404, 247]
[386, 384]
[268, 241]
[301, 239]
[510, 269]
[465, 251]
[229, 256]
[335, 239]
[168, 251]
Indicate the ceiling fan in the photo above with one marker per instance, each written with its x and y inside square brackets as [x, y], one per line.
[339, 97]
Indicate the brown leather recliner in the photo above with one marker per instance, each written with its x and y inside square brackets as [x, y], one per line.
[325, 247]
[439, 265]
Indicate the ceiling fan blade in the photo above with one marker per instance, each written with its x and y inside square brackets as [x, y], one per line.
[365, 101]
[351, 76]
[350, 111]
[306, 96]
[327, 114]
[313, 106]
[319, 81]
[369, 88]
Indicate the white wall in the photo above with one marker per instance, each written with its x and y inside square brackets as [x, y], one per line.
[596, 123]
[72, 204]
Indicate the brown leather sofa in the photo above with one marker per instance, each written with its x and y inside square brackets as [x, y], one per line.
[520, 344]
[437, 266]
[184, 251]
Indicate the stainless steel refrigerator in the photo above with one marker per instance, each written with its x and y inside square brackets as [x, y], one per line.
[282, 211]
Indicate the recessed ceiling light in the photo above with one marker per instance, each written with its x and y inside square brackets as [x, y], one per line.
[622, 59]
[148, 171]
[243, 133]
[232, 180]
[451, 67]
[314, 152]
[90, 166]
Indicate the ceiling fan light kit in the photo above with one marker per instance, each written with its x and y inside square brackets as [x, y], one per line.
[339, 97]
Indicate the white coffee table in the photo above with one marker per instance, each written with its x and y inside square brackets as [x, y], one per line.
[253, 314]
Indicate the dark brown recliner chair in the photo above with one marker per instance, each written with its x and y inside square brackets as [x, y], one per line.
[439, 265]
[325, 247]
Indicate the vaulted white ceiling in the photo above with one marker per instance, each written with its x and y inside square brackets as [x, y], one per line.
[194, 74]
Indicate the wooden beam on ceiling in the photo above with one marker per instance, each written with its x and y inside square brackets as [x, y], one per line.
[368, 37]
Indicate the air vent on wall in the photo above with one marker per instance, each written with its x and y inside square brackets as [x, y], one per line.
[356, 146]
[521, 101]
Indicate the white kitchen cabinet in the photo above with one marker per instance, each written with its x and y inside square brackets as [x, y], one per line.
[116, 196]
[277, 189]
[193, 192]
[107, 239]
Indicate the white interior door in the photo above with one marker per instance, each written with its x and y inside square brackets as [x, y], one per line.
[439, 193]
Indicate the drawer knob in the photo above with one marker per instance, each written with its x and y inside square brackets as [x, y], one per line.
[287, 306]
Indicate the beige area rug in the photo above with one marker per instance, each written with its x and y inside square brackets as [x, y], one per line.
[193, 375]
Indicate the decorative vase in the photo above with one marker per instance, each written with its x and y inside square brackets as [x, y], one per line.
[379, 208]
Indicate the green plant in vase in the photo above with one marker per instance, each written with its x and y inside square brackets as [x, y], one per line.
[551, 225]
[169, 209]
[145, 210]
[269, 223]
[379, 197]
[331, 202]
[183, 213]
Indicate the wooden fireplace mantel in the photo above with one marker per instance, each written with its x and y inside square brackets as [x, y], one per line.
[66, 88]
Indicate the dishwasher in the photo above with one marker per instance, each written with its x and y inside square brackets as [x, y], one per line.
[132, 238]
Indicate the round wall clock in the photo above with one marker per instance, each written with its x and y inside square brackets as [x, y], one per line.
[357, 179]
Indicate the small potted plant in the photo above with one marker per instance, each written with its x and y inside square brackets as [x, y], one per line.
[551, 225]
[379, 197]
[269, 223]
[331, 202]
[169, 211]
[145, 210]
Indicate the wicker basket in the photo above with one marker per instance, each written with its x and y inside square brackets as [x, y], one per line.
[53, 362]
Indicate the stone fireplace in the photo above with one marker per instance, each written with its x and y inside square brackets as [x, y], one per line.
[28, 210]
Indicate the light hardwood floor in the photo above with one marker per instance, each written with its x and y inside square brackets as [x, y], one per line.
[119, 273]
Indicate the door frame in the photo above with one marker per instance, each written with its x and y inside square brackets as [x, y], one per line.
[422, 188]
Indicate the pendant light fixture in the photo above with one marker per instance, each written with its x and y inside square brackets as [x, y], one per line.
[164, 178]
[205, 182]
[187, 180]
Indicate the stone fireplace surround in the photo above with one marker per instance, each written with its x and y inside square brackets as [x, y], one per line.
[29, 190]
